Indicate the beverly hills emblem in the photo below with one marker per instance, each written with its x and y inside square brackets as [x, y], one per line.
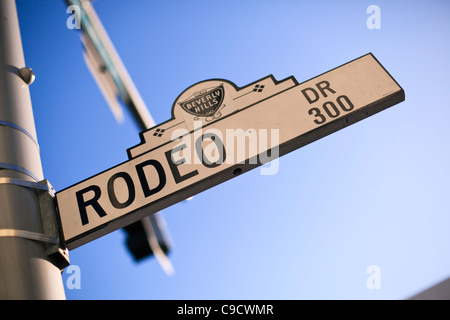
[204, 103]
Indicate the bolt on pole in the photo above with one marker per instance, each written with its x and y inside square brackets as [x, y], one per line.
[26, 271]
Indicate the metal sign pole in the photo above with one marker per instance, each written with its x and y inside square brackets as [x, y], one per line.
[26, 271]
[148, 236]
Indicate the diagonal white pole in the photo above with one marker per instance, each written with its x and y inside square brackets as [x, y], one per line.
[25, 269]
[140, 113]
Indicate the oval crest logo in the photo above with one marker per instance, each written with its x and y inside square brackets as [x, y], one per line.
[204, 103]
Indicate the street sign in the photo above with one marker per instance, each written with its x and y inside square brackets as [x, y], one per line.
[218, 131]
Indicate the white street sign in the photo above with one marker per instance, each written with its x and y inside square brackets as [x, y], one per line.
[218, 131]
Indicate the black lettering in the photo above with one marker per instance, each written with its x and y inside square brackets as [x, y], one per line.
[324, 85]
[174, 164]
[347, 100]
[142, 178]
[321, 118]
[220, 149]
[333, 112]
[82, 204]
[316, 95]
[112, 195]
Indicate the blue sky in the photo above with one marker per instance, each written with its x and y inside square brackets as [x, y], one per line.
[375, 193]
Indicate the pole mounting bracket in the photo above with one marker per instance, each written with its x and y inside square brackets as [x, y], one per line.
[51, 235]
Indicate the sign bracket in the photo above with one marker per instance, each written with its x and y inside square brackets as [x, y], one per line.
[51, 235]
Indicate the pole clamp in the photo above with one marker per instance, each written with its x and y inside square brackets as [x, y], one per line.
[51, 235]
[28, 235]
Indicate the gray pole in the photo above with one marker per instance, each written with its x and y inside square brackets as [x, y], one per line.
[25, 269]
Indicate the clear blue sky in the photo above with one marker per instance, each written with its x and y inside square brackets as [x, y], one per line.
[375, 193]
